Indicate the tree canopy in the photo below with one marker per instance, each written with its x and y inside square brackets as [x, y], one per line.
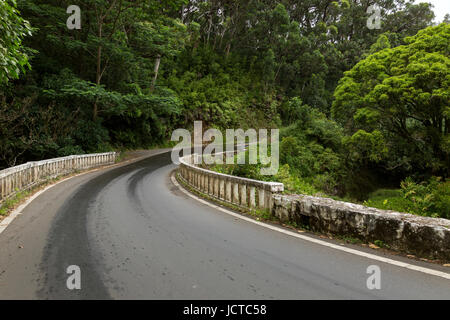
[13, 29]
[359, 108]
[395, 103]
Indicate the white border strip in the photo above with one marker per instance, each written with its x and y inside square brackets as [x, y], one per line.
[18, 211]
[316, 241]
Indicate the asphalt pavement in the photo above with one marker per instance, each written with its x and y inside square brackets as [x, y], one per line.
[135, 235]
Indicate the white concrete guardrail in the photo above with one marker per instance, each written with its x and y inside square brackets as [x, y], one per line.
[235, 190]
[30, 174]
[422, 236]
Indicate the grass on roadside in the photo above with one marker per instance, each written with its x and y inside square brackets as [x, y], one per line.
[10, 203]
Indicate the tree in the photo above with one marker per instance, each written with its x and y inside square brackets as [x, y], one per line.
[159, 39]
[402, 93]
[446, 18]
[13, 29]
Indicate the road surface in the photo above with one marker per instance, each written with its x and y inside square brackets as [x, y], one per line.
[135, 235]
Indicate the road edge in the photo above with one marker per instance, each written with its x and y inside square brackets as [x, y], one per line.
[311, 239]
[6, 221]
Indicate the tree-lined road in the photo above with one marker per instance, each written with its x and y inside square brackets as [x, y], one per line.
[135, 235]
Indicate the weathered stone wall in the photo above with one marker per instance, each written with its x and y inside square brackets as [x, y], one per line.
[422, 236]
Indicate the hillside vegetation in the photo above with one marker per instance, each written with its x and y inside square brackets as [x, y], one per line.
[364, 113]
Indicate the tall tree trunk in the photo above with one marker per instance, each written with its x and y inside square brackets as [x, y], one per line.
[209, 29]
[98, 76]
[183, 7]
[228, 49]
[157, 64]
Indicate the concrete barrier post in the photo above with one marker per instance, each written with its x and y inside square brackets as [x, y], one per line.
[243, 194]
[8, 184]
[206, 188]
[268, 200]
[211, 185]
[228, 194]
[216, 187]
[13, 181]
[261, 198]
[235, 193]
[252, 202]
[2, 186]
[222, 189]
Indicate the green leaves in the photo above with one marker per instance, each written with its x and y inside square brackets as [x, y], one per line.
[403, 94]
[430, 198]
[311, 147]
[366, 146]
[13, 29]
[164, 37]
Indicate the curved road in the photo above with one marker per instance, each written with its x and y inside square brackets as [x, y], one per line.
[135, 235]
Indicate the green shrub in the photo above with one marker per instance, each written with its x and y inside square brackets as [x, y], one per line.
[311, 146]
[293, 183]
[429, 198]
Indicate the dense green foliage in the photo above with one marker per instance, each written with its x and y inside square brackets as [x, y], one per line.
[429, 198]
[13, 28]
[359, 108]
[395, 105]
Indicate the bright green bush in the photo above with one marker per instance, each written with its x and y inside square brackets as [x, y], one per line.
[294, 184]
[311, 146]
[430, 198]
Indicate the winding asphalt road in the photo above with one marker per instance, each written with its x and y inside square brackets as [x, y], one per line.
[135, 235]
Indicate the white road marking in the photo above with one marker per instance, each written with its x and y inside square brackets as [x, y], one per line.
[317, 241]
[18, 211]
